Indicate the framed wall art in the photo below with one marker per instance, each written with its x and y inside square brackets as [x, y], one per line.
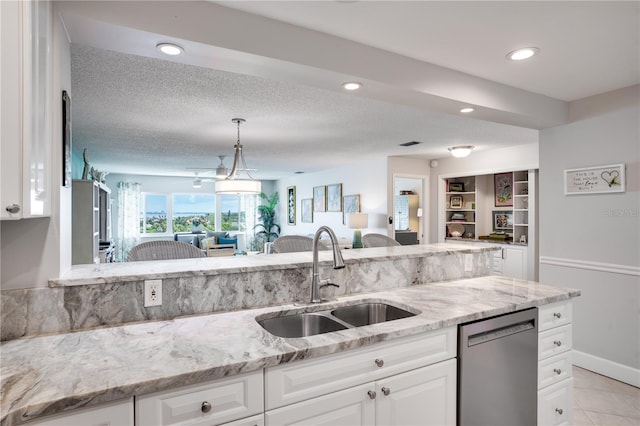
[594, 180]
[291, 205]
[503, 188]
[502, 221]
[455, 202]
[319, 198]
[306, 210]
[350, 204]
[334, 198]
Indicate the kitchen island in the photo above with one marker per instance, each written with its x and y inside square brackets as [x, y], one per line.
[63, 372]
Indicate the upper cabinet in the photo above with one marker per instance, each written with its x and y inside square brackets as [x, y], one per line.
[25, 109]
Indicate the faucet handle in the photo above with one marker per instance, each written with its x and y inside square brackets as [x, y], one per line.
[327, 283]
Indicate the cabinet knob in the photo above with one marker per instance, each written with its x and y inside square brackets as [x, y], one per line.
[206, 407]
[379, 362]
[557, 371]
[13, 208]
[386, 391]
[557, 343]
[557, 315]
[559, 411]
[372, 394]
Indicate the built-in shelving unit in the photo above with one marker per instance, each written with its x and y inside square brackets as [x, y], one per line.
[91, 220]
[461, 206]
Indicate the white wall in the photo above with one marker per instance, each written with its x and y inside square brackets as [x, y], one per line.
[367, 178]
[519, 157]
[592, 242]
[36, 250]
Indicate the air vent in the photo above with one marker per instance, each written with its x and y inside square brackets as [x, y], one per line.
[410, 143]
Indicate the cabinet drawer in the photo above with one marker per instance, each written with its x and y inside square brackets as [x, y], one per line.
[249, 421]
[297, 381]
[114, 413]
[555, 404]
[230, 399]
[554, 341]
[554, 315]
[554, 369]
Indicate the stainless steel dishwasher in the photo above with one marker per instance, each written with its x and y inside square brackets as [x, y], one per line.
[498, 370]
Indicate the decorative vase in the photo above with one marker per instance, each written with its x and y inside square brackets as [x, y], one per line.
[199, 229]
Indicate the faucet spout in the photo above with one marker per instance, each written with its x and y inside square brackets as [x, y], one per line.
[338, 261]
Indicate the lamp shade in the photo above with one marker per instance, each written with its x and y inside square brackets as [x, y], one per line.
[238, 186]
[357, 220]
[461, 151]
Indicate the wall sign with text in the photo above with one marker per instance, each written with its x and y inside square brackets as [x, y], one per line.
[594, 180]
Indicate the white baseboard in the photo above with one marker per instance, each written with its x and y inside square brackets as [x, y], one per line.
[612, 369]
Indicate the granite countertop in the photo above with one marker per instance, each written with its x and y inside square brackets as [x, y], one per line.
[132, 271]
[49, 374]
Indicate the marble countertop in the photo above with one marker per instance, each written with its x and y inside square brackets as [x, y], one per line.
[49, 374]
[132, 271]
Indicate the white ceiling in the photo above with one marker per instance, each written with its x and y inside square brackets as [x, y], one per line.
[137, 112]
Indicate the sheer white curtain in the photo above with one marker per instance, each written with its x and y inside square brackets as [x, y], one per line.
[248, 204]
[128, 219]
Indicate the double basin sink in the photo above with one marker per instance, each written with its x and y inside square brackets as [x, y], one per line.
[336, 319]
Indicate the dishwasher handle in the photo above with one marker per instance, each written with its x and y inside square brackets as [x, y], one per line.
[500, 333]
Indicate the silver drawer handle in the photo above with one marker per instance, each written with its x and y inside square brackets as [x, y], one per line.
[557, 371]
[372, 394]
[13, 208]
[557, 315]
[557, 343]
[386, 391]
[379, 362]
[559, 411]
[206, 407]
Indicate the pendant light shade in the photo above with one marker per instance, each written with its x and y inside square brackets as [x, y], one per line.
[234, 183]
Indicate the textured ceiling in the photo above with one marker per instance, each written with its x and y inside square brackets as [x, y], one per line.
[143, 115]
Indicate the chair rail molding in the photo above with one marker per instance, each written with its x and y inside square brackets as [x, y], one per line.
[594, 266]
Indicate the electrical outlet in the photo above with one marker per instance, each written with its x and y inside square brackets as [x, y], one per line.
[152, 293]
[468, 262]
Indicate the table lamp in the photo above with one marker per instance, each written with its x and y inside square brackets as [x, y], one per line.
[357, 221]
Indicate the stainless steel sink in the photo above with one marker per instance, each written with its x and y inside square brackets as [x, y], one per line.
[300, 325]
[369, 313]
[312, 323]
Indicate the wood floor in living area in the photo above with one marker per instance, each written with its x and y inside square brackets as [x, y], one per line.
[602, 401]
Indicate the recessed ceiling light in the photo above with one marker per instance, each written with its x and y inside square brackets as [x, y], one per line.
[467, 110]
[169, 49]
[351, 85]
[524, 53]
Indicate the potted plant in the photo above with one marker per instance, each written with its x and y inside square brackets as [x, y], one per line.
[267, 230]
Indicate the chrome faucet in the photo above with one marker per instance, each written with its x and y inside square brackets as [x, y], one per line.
[338, 263]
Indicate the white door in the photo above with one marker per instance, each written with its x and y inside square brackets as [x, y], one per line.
[426, 396]
[350, 407]
[513, 263]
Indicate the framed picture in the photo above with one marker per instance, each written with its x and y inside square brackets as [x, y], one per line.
[456, 187]
[594, 180]
[291, 205]
[502, 221]
[455, 202]
[503, 188]
[66, 139]
[306, 210]
[334, 198]
[350, 204]
[319, 198]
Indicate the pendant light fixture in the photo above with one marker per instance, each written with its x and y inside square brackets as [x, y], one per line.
[221, 171]
[234, 183]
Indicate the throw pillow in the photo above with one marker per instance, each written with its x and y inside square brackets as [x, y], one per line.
[228, 241]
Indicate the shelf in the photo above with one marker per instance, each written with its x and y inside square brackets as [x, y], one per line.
[520, 224]
[461, 223]
[461, 210]
[461, 193]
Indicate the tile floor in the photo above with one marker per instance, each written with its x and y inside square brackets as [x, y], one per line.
[599, 400]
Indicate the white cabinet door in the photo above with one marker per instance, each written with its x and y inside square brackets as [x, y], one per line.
[351, 407]
[513, 262]
[249, 421]
[426, 396]
[119, 413]
[555, 404]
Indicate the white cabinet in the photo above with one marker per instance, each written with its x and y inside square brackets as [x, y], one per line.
[424, 396]
[90, 218]
[235, 399]
[374, 385]
[25, 109]
[555, 382]
[119, 413]
[511, 261]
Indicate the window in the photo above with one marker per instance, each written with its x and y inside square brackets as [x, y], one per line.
[153, 214]
[231, 215]
[193, 209]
